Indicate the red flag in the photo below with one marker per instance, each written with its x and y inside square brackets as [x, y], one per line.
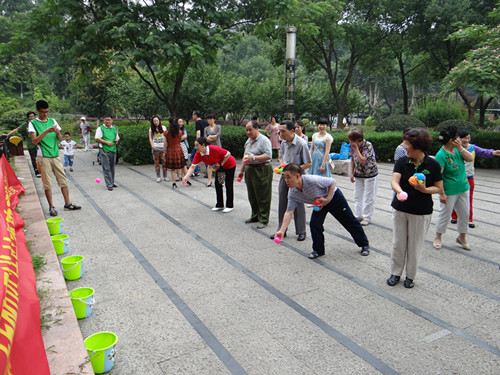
[21, 344]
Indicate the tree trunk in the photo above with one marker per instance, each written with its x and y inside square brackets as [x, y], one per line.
[482, 110]
[403, 84]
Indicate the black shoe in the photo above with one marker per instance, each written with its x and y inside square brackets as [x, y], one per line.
[52, 211]
[115, 185]
[301, 237]
[314, 255]
[71, 207]
[453, 221]
[251, 220]
[393, 280]
[174, 185]
[189, 183]
[196, 174]
[365, 250]
[409, 283]
[71, 169]
[110, 189]
[472, 225]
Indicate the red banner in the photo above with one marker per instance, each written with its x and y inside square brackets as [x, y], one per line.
[21, 344]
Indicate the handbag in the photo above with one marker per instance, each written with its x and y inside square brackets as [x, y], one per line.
[331, 165]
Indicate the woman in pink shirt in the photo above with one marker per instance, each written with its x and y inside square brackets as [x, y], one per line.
[224, 166]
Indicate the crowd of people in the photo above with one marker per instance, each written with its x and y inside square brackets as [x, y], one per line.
[305, 177]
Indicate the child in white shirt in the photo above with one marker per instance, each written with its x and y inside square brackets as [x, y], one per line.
[69, 154]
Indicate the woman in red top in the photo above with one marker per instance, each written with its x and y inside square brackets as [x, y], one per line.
[223, 163]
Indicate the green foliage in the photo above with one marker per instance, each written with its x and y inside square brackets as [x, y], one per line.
[432, 111]
[479, 69]
[398, 123]
[7, 104]
[13, 119]
[459, 123]
[134, 147]
[370, 121]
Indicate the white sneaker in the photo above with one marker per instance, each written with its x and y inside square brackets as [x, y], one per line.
[226, 210]
[364, 222]
[218, 209]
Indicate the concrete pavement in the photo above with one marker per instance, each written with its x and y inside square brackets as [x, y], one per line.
[190, 291]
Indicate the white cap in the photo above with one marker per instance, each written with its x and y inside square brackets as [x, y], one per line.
[83, 118]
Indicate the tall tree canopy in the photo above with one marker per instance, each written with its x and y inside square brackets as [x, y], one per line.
[160, 40]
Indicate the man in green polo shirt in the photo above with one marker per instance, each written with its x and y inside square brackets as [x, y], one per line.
[107, 136]
[45, 133]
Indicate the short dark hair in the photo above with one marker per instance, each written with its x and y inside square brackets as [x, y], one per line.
[107, 116]
[255, 118]
[323, 120]
[202, 141]
[254, 124]
[418, 138]
[293, 168]
[197, 113]
[30, 113]
[289, 125]
[41, 104]
[355, 134]
[450, 132]
[463, 133]
[211, 115]
[67, 133]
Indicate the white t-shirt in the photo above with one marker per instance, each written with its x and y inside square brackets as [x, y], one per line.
[158, 139]
[31, 129]
[68, 147]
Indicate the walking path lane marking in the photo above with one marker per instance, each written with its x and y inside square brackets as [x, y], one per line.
[325, 327]
[226, 358]
[362, 283]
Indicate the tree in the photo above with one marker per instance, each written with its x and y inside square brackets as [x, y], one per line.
[435, 23]
[160, 41]
[480, 69]
[332, 36]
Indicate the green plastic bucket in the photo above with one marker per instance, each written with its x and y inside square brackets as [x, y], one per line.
[72, 267]
[60, 242]
[55, 225]
[101, 350]
[83, 301]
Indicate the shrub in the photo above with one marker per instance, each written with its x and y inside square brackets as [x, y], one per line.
[433, 111]
[134, 145]
[459, 123]
[370, 121]
[398, 123]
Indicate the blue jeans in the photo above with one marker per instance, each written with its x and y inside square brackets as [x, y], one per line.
[197, 169]
[68, 159]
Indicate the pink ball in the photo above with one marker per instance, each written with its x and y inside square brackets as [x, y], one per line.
[403, 196]
[98, 180]
[277, 239]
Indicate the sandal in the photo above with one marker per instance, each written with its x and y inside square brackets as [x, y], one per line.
[210, 184]
[158, 179]
[437, 245]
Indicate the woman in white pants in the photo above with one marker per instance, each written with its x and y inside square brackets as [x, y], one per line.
[451, 157]
[412, 204]
[364, 171]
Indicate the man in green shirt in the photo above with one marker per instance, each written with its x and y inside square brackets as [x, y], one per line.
[29, 145]
[45, 134]
[107, 136]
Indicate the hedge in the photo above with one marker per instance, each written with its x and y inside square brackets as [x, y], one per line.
[134, 145]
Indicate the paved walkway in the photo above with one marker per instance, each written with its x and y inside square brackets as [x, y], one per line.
[190, 291]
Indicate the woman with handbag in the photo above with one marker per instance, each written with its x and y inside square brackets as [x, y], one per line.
[224, 166]
[320, 150]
